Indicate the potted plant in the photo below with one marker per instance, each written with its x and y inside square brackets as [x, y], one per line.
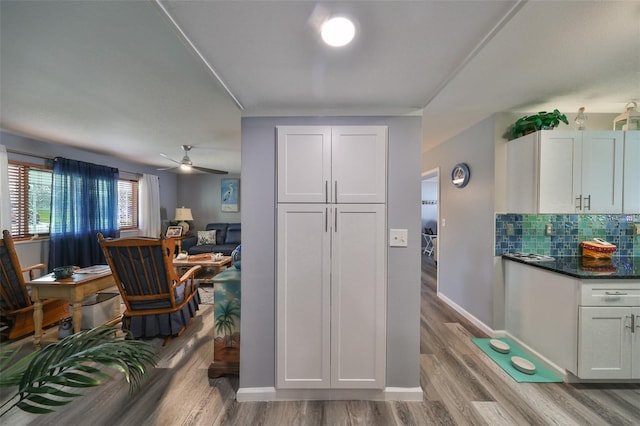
[540, 121]
[45, 378]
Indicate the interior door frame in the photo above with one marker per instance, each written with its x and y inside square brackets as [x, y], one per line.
[435, 172]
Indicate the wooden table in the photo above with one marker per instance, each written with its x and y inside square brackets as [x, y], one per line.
[226, 327]
[210, 267]
[73, 289]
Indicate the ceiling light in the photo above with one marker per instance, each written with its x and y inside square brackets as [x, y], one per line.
[185, 167]
[338, 31]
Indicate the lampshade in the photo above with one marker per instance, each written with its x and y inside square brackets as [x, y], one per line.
[183, 213]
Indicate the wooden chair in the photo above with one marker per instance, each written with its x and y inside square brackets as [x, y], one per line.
[16, 309]
[158, 302]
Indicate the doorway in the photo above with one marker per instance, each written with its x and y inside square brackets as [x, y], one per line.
[430, 217]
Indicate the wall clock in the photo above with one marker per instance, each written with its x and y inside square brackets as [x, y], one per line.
[460, 175]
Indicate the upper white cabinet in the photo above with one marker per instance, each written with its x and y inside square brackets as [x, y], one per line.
[631, 185]
[566, 172]
[320, 164]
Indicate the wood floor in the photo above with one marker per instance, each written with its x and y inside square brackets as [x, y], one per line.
[461, 386]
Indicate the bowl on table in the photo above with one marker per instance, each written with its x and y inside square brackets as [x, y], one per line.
[62, 272]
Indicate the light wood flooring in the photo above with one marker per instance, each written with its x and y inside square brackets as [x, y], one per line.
[461, 386]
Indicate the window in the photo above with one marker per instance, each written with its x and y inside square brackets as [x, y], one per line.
[127, 204]
[30, 192]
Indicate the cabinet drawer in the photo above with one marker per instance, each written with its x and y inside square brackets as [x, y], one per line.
[610, 294]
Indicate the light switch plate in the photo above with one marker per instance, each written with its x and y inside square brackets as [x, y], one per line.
[398, 237]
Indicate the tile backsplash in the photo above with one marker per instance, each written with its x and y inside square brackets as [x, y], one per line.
[526, 233]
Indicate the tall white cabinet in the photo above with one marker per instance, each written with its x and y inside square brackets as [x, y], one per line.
[331, 257]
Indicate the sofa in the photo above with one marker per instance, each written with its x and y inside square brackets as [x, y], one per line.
[227, 238]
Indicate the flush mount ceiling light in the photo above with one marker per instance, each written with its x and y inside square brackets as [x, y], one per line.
[338, 31]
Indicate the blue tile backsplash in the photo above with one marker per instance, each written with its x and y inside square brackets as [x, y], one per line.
[525, 233]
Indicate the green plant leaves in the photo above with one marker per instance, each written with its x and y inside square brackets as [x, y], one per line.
[44, 376]
[541, 121]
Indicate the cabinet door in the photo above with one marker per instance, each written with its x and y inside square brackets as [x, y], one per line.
[602, 162]
[560, 171]
[631, 196]
[303, 296]
[304, 164]
[358, 296]
[604, 348]
[359, 164]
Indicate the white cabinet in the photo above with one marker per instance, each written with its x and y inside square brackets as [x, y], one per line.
[344, 164]
[331, 296]
[331, 257]
[609, 331]
[631, 184]
[609, 348]
[566, 172]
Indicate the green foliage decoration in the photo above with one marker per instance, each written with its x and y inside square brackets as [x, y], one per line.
[45, 377]
[540, 121]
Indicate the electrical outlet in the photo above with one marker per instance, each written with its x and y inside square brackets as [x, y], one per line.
[510, 231]
[548, 229]
[398, 237]
[636, 229]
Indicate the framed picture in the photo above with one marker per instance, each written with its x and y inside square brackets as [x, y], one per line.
[230, 194]
[174, 231]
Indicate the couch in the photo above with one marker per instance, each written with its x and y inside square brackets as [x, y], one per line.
[227, 239]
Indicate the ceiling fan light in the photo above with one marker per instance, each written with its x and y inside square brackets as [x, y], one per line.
[185, 167]
[338, 31]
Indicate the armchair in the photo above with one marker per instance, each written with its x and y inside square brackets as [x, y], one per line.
[158, 302]
[16, 309]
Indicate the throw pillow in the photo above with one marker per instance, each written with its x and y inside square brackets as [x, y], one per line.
[206, 237]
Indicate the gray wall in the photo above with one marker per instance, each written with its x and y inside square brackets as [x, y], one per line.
[257, 366]
[32, 252]
[465, 234]
[201, 193]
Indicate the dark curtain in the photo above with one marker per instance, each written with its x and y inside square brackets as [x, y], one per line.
[84, 201]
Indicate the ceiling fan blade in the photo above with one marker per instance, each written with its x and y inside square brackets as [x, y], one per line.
[169, 158]
[168, 168]
[214, 171]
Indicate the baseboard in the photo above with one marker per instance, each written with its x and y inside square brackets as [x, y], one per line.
[273, 394]
[482, 326]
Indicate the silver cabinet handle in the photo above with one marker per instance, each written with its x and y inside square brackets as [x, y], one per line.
[326, 191]
[615, 293]
[335, 211]
[579, 202]
[336, 191]
[587, 207]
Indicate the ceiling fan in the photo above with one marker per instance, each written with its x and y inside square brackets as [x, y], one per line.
[187, 164]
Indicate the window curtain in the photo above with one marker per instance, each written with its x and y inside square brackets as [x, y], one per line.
[149, 206]
[84, 201]
[5, 197]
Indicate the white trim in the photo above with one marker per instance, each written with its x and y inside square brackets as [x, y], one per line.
[386, 394]
[482, 326]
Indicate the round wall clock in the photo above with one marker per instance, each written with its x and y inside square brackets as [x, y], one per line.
[460, 175]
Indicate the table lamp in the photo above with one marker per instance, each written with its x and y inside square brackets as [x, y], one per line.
[182, 215]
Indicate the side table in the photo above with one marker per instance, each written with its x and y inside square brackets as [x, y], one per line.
[226, 326]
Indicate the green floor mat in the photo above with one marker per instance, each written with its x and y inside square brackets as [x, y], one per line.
[542, 374]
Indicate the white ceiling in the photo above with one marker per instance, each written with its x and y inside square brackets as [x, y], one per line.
[136, 78]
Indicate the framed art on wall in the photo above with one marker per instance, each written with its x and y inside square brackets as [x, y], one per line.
[229, 192]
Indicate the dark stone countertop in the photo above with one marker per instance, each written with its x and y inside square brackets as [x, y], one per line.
[626, 268]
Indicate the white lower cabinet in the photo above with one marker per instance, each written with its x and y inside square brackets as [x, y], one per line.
[331, 296]
[609, 343]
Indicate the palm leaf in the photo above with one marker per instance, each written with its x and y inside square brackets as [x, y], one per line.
[73, 363]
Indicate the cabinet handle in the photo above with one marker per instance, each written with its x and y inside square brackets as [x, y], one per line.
[615, 293]
[637, 321]
[579, 202]
[335, 211]
[326, 219]
[587, 207]
[326, 191]
[336, 191]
